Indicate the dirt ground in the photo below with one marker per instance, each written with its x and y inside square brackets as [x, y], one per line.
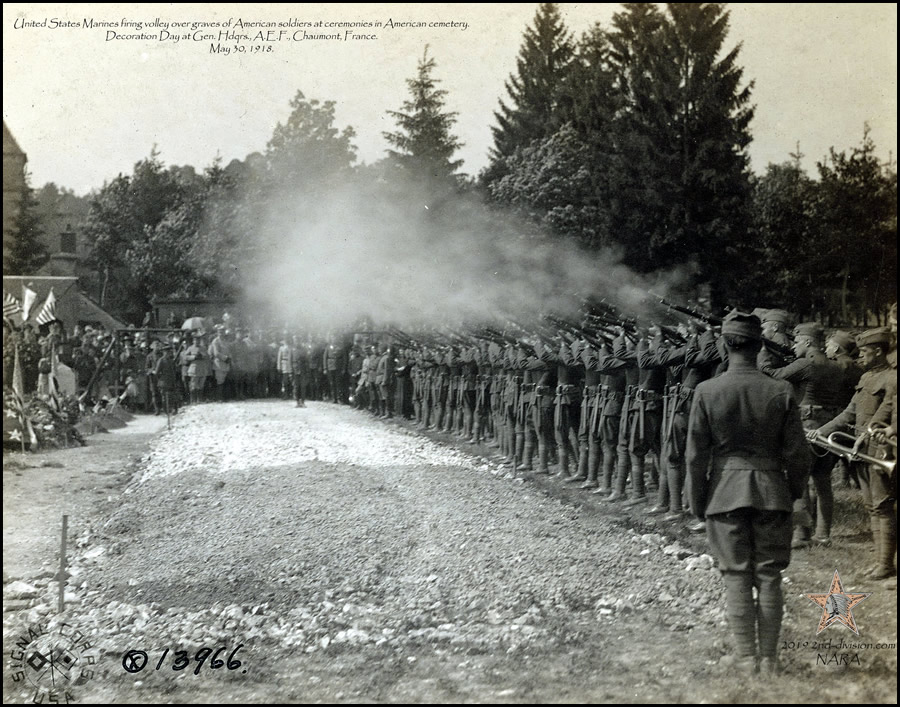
[360, 561]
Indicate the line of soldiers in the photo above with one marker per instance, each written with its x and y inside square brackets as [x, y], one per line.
[613, 415]
[716, 420]
[229, 364]
[610, 415]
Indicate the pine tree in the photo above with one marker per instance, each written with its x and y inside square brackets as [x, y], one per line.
[643, 168]
[27, 253]
[711, 119]
[424, 144]
[681, 172]
[534, 90]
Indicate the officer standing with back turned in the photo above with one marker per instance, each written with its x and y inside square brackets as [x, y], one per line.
[747, 461]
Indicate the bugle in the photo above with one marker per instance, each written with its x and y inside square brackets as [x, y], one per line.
[834, 444]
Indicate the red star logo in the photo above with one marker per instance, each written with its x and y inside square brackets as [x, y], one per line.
[837, 605]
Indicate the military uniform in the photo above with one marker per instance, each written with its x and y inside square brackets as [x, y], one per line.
[617, 379]
[775, 323]
[842, 345]
[198, 368]
[522, 395]
[512, 381]
[385, 380]
[284, 362]
[484, 380]
[440, 390]
[372, 383]
[566, 406]
[876, 386]
[220, 355]
[166, 370]
[300, 372]
[690, 365]
[332, 361]
[454, 367]
[543, 376]
[469, 380]
[590, 451]
[818, 387]
[403, 375]
[747, 460]
[497, 415]
[644, 412]
[426, 390]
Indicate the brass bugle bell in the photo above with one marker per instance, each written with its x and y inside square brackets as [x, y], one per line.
[851, 452]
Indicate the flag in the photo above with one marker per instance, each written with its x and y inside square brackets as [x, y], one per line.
[48, 311]
[28, 298]
[16, 425]
[11, 305]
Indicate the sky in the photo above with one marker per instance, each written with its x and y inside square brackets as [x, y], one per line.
[86, 107]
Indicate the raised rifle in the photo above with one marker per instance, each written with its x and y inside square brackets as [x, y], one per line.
[693, 313]
[578, 332]
[712, 320]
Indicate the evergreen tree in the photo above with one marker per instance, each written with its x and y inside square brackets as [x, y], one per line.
[643, 168]
[711, 118]
[856, 213]
[680, 178]
[533, 112]
[27, 253]
[424, 144]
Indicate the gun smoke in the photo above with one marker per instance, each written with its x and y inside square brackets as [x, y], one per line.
[410, 258]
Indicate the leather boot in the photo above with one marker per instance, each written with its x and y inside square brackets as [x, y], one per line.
[581, 463]
[474, 429]
[563, 470]
[875, 525]
[662, 494]
[609, 464]
[496, 436]
[524, 451]
[618, 493]
[590, 467]
[675, 476]
[740, 610]
[542, 458]
[885, 549]
[638, 494]
[770, 612]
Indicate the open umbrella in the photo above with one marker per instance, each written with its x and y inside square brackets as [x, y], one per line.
[193, 323]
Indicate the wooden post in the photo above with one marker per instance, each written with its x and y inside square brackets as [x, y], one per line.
[62, 564]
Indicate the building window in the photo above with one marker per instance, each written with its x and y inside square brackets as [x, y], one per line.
[67, 241]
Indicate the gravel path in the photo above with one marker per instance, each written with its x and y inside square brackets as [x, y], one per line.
[358, 560]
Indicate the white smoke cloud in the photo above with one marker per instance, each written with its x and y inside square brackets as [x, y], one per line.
[405, 257]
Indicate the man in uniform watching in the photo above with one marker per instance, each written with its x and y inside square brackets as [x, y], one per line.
[877, 386]
[747, 460]
[818, 385]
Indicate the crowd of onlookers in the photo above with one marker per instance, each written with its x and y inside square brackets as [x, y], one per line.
[154, 370]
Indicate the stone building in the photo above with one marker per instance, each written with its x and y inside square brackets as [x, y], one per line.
[14, 185]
